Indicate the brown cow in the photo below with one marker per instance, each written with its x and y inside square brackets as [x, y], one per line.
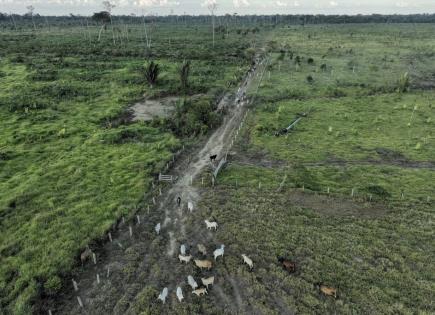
[288, 265]
[200, 292]
[328, 291]
[203, 264]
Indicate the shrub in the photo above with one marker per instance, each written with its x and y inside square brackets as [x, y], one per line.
[310, 79]
[403, 84]
[310, 61]
[53, 285]
[378, 191]
[151, 72]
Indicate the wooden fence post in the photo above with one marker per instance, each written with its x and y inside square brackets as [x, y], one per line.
[131, 231]
[80, 301]
[110, 237]
[138, 219]
[98, 278]
[76, 287]
[94, 258]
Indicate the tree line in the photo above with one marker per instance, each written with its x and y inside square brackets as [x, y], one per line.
[34, 19]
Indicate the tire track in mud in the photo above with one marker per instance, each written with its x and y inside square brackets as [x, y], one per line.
[149, 259]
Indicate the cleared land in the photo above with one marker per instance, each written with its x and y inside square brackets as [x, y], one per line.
[368, 130]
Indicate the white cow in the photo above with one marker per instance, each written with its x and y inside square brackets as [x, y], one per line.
[219, 252]
[163, 295]
[157, 228]
[185, 259]
[192, 282]
[207, 281]
[248, 261]
[190, 206]
[180, 294]
[211, 225]
[183, 249]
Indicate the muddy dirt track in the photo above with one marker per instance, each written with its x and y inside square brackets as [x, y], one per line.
[131, 262]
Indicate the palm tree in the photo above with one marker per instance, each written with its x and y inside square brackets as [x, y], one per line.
[151, 73]
[184, 74]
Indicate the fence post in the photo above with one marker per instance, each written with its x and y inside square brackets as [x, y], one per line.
[76, 287]
[353, 192]
[108, 272]
[80, 301]
[154, 200]
[131, 231]
[94, 258]
[110, 237]
[160, 191]
[98, 278]
[138, 219]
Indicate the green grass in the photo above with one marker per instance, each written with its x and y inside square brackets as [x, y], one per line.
[371, 261]
[69, 166]
[349, 128]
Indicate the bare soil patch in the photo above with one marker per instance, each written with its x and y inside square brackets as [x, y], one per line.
[150, 109]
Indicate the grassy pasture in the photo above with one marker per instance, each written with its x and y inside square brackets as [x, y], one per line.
[361, 133]
[70, 163]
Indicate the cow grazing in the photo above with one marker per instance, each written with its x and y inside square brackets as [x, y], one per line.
[248, 261]
[200, 292]
[190, 206]
[183, 249]
[185, 259]
[157, 228]
[287, 264]
[85, 255]
[163, 295]
[207, 281]
[192, 282]
[328, 291]
[211, 225]
[202, 249]
[219, 252]
[213, 158]
[180, 294]
[203, 264]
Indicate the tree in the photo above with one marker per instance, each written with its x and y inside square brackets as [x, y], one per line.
[108, 6]
[102, 17]
[212, 6]
[151, 72]
[31, 9]
[184, 74]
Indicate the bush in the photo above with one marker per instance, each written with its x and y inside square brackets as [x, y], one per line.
[310, 79]
[53, 285]
[378, 190]
[194, 117]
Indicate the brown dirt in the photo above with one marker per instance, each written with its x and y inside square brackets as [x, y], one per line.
[151, 108]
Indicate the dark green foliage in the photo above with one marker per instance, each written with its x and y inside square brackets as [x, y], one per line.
[298, 60]
[378, 190]
[310, 61]
[151, 72]
[101, 17]
[194, 117]
[184, 75]
[310, 79]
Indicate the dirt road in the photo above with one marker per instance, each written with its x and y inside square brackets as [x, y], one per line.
[139, 258]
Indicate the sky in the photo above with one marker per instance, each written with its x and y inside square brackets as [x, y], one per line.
[165, 7]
